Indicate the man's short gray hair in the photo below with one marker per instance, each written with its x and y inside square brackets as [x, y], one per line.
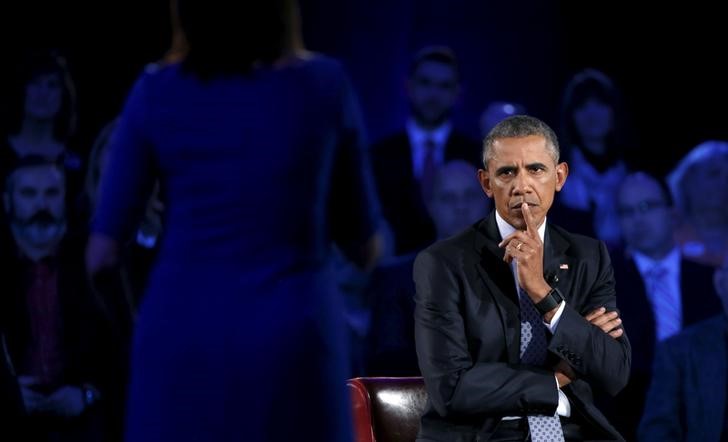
[518, 126]
[707, 152]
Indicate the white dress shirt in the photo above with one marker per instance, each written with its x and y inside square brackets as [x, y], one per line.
[505, 229]
[418, 136]
[670, 293]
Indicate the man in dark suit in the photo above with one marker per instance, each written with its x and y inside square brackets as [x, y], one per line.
[515, 319]
[659, 292]
[57, 341]
[687, 397]
[404, 164]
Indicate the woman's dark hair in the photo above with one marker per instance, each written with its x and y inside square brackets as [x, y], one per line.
[593, 84]
[231, 37]
[33, 65]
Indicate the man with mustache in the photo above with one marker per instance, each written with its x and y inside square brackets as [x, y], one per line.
[515, 318]
[53, 328]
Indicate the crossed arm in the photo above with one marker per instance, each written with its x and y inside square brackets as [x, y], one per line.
[459, 383]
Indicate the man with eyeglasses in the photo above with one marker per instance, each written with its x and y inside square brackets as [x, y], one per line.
[658, 291]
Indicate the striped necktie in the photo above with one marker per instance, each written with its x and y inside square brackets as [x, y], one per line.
[665, 303]
[533, 352]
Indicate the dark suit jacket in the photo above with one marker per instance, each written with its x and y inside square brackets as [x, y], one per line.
[467, 332]
[687, 399]
[699, 302]
[399, 190]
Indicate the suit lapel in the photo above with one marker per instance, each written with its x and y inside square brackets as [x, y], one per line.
[499, 283]
[499, 280]
[556, 264]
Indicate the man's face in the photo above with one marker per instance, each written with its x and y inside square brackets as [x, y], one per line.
[433, 89]
[522, 170]
[43, 97]
[36, 206]
[457, 200]
[644, 215]
[706, 191]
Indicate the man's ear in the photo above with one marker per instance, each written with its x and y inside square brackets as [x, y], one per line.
[562, 171]
[485, 183]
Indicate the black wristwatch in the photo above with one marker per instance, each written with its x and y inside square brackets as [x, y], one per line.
[550, 302]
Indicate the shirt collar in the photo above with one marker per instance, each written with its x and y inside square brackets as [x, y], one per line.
[645, 264]
[418, 135]
[506, 229]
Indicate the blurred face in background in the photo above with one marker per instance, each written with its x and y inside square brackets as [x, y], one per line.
[646, 219]
[593, 120]
[433, 89]
[720, 280]
[35, 204]
[43, 96]
[495, 113]
[706, 193]
[457, 200]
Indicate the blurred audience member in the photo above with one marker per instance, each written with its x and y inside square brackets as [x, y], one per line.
[140, 251]
[497, 111]
[405, 163]
[658, 291]
[58, 338]
[457, 202]
[41, 117]
[687, 397]
[594, 137]
[699, 184]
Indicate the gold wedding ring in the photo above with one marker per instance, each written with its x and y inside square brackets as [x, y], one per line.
[518, 247]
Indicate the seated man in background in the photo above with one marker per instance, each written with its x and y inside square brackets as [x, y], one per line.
[457, 202]
[687, 397]
[404, 164]
[658, 291]
[58, 339]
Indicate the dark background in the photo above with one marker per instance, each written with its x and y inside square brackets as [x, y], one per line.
[669, 62]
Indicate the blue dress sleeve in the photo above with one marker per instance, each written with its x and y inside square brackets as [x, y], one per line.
[354, 212]
[127, 181]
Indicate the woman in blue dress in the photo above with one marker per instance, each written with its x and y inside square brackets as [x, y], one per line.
[259, 150]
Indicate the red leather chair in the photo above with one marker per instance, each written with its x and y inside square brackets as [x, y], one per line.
[387, 409]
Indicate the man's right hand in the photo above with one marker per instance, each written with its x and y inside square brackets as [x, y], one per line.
[609, 322]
